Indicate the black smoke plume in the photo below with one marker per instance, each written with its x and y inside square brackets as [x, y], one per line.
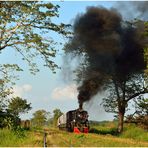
[110, 47]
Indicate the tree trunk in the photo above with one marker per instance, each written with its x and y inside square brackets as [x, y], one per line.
[120, 122]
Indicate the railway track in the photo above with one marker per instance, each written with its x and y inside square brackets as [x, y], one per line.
[45, 133]
[45, 139]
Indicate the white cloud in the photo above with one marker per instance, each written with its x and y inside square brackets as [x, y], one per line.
[64, 93]
[21, 90]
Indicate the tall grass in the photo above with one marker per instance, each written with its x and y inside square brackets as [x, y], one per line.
[104, 128]
[105, 137]
[94, 140]
[102, 137]
[130, 131]
[9, 138]
[133, 132]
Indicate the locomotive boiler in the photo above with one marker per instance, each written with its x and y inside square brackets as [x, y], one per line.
[74, 121]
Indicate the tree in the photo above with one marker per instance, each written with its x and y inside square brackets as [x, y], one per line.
[24, 26]
[18, 106]
[39, 118]
[146, 52]
[10, 116]
[56, 114]
[111, 52]
[7, 80]
[142, 106]
[140, 116]
[121, 92]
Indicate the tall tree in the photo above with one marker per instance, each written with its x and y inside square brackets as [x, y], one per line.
[39, 118]
[7, 80]
[112, 55]
[121, 92]
[142, 106]
[18, 106]
[56, 114]
[146, 53]
[25, 27]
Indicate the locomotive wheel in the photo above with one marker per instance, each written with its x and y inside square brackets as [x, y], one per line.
[69, 128]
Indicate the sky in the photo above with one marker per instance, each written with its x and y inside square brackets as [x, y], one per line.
[48, 91]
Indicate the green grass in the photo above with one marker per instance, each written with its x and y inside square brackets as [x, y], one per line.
[9, 138]
[104, 135]
[94, 140]
[133, 132]
[104, 128]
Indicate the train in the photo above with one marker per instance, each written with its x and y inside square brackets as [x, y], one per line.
[74, 121]
[26, 124]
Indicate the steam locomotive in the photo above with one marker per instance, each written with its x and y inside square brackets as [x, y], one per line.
[74, 121]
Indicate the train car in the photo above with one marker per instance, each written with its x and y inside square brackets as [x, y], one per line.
[74, 121]
[26, 124]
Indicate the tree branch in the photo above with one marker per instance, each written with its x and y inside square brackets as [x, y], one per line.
[3, 30]
[116, 88]
[6, 45]
[137, 94]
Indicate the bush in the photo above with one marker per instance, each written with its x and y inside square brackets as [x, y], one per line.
[19, 132]
[134, 132]
[141, 120]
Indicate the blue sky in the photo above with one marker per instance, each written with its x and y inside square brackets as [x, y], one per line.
[46, 90]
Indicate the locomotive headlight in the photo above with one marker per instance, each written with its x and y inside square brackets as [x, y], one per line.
[74, 120]
[79, 115]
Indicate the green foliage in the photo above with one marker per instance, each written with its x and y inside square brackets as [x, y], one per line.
[146, 53]
[65, 139]
[140, 116]
[132, 136]
[9, 138]
[10, 117]
[56, 114]
[146, 28]
[133, 132]
[9, 120]
[104, 127]
[142, 106]
[7, 80]
[19, 132]
[18, 105]
[39, 118]
[121, 91]
[20, 139]
[132, 87]
[25, 27]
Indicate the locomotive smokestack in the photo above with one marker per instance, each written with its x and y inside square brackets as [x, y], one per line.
[80, 106]
[82, 97]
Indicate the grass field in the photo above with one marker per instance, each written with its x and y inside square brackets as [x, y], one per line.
[94, 140]
[103, 136]
[29, 138]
